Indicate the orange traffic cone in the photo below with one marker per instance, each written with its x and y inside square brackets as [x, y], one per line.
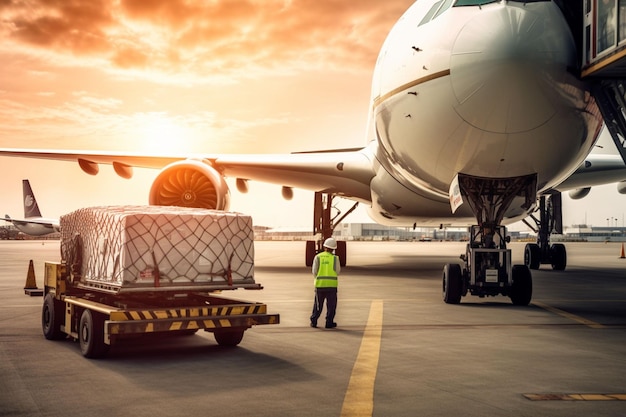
[30, 288]
[622, 255]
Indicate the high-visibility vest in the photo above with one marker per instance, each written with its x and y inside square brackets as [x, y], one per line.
[326, 274]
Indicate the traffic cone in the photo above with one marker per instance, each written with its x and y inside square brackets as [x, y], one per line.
[30, 288]
[31, 282]
[622, 255]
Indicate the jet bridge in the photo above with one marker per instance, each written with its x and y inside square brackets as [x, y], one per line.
[603, 55]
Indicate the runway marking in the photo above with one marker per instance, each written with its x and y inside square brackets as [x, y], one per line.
[359, 398]
[576, 397]
[569, 316]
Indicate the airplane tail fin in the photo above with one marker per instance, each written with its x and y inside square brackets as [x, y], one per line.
[31, 209]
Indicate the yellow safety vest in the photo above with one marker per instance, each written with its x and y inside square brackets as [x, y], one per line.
[326, 274]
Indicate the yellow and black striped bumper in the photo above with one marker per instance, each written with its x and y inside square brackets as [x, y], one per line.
[193, 318]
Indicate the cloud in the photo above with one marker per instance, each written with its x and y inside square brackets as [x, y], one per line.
[205, 38]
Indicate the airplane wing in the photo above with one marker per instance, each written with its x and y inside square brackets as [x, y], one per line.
[596, 170]
[341, 172]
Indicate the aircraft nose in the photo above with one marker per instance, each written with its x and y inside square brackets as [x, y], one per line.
[503, 68]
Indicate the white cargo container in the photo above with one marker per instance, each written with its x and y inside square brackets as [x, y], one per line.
[130, 248]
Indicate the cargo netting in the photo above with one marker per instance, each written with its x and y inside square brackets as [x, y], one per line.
[160, 246]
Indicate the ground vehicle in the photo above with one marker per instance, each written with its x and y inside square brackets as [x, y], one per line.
[488, 270]
[146, 269]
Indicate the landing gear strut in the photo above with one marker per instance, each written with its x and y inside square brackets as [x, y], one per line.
[550, 221]
[488, 270]
[324, 224]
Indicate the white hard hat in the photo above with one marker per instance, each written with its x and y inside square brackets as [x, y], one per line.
[330, 243]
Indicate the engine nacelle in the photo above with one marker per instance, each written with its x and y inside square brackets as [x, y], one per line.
[579, 193]
[190, 183]
[621, 187]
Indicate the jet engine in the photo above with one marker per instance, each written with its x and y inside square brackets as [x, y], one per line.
[190, 183]
[579, 193]
[621, 187]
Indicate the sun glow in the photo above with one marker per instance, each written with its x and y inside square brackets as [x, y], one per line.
[159, 133]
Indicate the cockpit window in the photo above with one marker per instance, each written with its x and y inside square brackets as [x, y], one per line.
[437, 8]
[459, 3]
[473, 2]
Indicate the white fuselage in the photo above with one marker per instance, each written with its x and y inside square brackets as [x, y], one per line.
[485, 91]
[36, 226]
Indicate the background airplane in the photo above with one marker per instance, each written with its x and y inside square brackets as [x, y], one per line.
[32, 223]
[472, 101]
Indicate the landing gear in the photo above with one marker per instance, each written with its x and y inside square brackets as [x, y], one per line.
[488, 270]
[324, 224]
[550, 221]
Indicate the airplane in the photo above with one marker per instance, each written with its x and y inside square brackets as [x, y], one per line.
[477, 118]
[32, 223]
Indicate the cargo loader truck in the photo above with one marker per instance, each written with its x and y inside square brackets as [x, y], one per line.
[133, 270]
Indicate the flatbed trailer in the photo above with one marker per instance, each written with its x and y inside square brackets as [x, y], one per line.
[97, 319]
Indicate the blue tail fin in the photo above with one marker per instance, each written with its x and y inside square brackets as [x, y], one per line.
[31, 209]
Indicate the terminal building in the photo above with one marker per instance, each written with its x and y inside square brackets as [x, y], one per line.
[584, 233]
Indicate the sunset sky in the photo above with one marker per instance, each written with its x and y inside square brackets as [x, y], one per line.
[157, 76]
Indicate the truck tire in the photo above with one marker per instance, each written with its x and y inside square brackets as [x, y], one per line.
[52, 318]
[228, 337]
[91, 335]
[452, 284]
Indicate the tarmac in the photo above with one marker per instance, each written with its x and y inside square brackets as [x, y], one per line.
[398, 350]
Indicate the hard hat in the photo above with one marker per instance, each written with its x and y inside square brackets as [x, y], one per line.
[330, 243]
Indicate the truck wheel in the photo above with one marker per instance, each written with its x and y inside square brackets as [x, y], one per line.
[452, 284]
[229, 337]
[522, 288]
[52, 317]
[91, 335]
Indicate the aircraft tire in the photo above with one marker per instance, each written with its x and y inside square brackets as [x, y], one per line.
[559, 256]
[532, 256]
[51, 318]
[342, 252]
[522, 288]
[309, 252]
[452, 284]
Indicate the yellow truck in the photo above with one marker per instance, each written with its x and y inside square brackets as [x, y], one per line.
[130, 270]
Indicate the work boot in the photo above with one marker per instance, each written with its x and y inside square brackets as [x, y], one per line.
[331, 325]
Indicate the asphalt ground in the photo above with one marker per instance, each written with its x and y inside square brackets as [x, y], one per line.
[398, 349]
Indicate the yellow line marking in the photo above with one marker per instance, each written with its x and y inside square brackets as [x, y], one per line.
[359, 399]
[576, 397]
[569, 316]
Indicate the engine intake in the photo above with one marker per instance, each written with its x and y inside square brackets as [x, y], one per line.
[190, 183]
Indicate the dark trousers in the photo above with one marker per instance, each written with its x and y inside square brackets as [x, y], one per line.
[330, 296]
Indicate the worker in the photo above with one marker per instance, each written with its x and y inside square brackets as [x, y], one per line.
[326, 269]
